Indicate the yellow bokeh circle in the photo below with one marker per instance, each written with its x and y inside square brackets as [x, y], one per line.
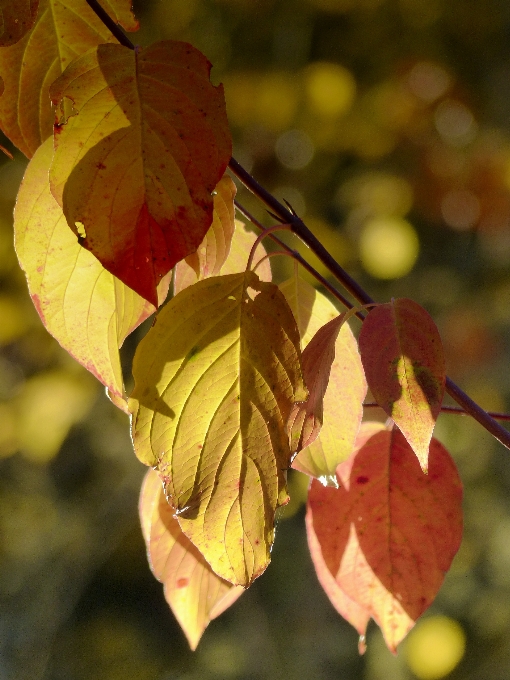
[330, 89]
[435, 647]
[389, 247]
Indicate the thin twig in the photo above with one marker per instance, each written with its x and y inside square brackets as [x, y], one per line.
[297, 256]
[110, 24]
[455, 410]
[301, 230]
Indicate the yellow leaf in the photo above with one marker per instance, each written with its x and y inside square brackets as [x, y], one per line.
[16, 18]
[136, 162]
[62, 31]
[240, 246]
[215, 380]
[346, 389]
[213, 251]
[194, 592]
[83, 306]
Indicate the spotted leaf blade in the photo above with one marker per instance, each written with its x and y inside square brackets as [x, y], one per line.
[404, 364]
[63, 30]
[215, 380]
[194, 592]
[389, 534]
[83, 306]
[135, 165]
[16, 19]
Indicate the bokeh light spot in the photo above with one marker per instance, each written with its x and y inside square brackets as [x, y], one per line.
[435, 647]
[460, 209]
[455, 122]
[330, 89]
[389, 247]
[428, 81]
[294, 149]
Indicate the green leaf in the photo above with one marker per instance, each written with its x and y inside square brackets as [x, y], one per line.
[215, 380]
[136, 162]
[62, 31]
[403, 358]
[83, 306]
[194, 592]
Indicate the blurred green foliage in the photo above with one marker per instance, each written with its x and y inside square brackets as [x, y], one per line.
[382, 122]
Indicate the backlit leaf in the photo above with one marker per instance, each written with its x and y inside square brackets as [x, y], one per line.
[346, 389]
[240, 246]
[194, 592]
[389, 533]
[83, 306]
[16, 18]
[63, 30]
[215, 380]
[214, 249]
[306, 417]
[357, 615]
[135, 165]
[404, 364]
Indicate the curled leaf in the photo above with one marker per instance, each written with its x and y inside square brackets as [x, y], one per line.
[215, 379]
[404, 363]
[194, 592]
[389, 533]
[133, 174]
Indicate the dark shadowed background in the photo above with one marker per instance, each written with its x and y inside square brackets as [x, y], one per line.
[386, 125]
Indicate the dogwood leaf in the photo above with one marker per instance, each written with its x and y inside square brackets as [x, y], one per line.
[63, 30]
[87, 309]
[389, 533]
[215, 380]
[133, 173]
[193, 591]
[403, 359]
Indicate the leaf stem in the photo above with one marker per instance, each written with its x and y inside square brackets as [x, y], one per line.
[260, 237]
[300, 229]
[299, 258]
[110, 24]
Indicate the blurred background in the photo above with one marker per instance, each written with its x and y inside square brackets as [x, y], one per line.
[386, 125]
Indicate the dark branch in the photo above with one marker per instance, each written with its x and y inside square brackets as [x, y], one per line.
[301, 230]
[110, 24]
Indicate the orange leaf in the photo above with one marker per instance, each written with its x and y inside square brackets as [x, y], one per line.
[306, 417]
[135, 167]
[404, 365]
[193, 591]
[390, 533]
[357, 615]
[83, 306]
[63, 30]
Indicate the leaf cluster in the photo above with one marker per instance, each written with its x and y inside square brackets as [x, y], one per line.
[126, 197]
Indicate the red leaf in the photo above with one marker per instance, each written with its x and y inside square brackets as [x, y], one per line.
[137, 159]
[390, 533]
[306, 417]
[194, 592]
[402, 354]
